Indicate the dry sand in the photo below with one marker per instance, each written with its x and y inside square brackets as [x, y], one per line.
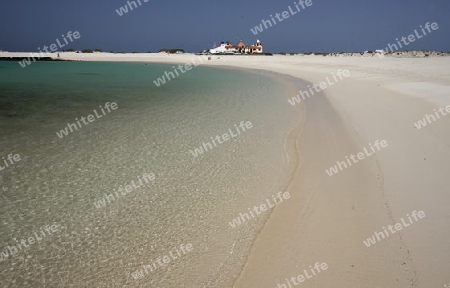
[328, 218]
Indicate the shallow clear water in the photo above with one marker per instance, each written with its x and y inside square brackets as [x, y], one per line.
[191, 200]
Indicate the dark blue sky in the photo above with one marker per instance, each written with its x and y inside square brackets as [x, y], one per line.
[327, 25]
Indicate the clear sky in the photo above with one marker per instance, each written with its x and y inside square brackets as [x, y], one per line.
[325, 26]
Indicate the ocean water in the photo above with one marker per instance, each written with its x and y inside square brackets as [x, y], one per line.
[192, 199]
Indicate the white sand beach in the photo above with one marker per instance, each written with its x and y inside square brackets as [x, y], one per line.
[328, 217]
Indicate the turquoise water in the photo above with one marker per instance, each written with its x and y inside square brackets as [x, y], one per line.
[191, 200]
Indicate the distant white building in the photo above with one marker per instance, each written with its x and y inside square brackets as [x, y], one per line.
[228, 48]
[223, 48]
[255, 48]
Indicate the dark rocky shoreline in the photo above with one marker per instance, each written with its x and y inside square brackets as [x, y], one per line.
[28, 58]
